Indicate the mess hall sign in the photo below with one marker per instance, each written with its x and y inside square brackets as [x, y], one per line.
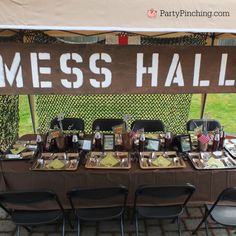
[115, 69]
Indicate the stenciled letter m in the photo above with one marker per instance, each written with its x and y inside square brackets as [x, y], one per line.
[14, 73]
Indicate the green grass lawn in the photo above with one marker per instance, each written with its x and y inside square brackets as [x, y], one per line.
[218, 106]
[25, 118]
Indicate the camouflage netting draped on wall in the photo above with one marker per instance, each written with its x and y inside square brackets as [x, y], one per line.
[169, 108]
[9, 120]
[9, 110]
[172, 109]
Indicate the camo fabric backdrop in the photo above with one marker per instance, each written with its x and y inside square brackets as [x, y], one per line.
[9, 120]
[9, 109]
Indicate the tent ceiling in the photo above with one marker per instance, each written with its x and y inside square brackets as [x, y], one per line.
[118, 15]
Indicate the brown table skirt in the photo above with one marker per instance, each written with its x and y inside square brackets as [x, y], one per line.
[209, 183]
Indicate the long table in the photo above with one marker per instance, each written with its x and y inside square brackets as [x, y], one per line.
[16, 175]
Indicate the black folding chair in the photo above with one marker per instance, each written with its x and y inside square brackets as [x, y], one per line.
[106, 124]
[100, 210]
[194, 123]
[22, 207]
[160, 202]
[220, 212]
[148, 125]
[69, 124]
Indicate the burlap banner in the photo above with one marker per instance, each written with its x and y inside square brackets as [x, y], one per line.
[114, 69]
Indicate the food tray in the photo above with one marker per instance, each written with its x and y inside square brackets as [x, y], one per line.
[50, 161]
[230, 146]
[114, 160]
[168, 160]
[212, 160]
[21, 150]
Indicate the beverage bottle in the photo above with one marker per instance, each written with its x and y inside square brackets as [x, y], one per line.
[118, 142]
[39, 142]
[48, 143]
[142, 141]
[75, 142]
[222, 138]
[167, 141]
[98, 139]
[216, 140]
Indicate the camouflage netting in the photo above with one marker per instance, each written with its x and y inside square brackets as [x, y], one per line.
[9, 110]
[9, 120]
[172, 109]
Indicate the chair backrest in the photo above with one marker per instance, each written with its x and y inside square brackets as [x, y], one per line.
[194, 123]
[102, 194]
[168, 192]
[106, 124]
[69, 123]
[228, 194]
[148, 125]
[27, 198]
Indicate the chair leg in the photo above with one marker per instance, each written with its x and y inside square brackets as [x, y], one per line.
[204, 219]
[18, 230]
[69, 221]
[121, 225]
[133, 217]
[206, 227]
[178, 225]
[136, 223]
[78, 227]
[63, 226]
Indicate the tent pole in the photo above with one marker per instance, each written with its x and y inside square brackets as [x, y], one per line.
[203, 104]
[32, 111]
[204, 95]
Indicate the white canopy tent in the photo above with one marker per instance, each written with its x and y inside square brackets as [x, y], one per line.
[120, 15]
[150, 17]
